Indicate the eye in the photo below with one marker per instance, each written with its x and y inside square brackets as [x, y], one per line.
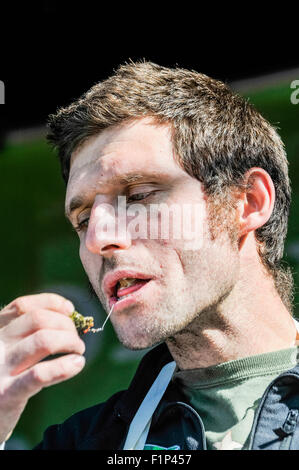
[138, 196]
[81, 225]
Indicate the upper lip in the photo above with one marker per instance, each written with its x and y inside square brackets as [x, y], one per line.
[111, 279]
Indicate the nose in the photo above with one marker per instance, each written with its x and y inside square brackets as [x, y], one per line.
[106, 232]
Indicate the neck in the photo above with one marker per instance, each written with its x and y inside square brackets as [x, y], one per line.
[251, 320]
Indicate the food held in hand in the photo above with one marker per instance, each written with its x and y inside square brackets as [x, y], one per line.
[83, 324]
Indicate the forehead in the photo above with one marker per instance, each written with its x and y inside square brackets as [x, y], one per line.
[141, 147]
[139, 136]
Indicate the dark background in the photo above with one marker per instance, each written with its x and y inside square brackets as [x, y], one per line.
[51, 52]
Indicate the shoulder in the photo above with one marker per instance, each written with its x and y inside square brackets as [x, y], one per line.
[79, 427]
[93, 427]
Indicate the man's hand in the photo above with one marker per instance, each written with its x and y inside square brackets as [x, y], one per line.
[31, 328]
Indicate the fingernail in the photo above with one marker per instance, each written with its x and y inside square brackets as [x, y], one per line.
[79, 360]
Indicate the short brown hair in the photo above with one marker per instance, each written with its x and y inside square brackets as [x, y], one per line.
[217, 134]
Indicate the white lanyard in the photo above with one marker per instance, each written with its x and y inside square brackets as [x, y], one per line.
[140, 425]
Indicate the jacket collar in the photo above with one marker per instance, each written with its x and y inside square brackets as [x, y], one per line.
[146, 373]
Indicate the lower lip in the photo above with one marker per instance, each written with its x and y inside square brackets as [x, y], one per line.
[123, 303]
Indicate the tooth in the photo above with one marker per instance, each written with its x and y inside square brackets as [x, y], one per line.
[126, 282]
[123, 297]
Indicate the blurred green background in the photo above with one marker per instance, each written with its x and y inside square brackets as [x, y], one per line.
[40, 253]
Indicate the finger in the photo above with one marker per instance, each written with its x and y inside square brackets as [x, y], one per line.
[39, 345]
[7, 314]
[36, 320]
[26, 303]
[44, 374]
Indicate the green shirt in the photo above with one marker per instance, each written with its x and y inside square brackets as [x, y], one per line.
[227, 395]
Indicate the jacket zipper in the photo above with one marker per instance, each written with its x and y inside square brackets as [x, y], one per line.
[258, 412]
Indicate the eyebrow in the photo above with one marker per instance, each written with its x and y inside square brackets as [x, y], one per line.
[78, 200]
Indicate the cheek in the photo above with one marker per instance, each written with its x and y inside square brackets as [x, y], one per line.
[82, 254]
[186, 227]
[91, 263]
[208, 263]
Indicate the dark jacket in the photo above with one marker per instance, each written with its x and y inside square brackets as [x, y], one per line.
[175, 422]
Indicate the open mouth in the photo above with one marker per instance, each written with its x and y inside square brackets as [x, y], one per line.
[125, 287]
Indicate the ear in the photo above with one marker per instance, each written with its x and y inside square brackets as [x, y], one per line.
[255, 205]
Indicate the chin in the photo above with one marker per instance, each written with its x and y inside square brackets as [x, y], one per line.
[138, 342]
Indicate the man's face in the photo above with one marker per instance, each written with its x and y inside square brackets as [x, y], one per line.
[184, 282]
